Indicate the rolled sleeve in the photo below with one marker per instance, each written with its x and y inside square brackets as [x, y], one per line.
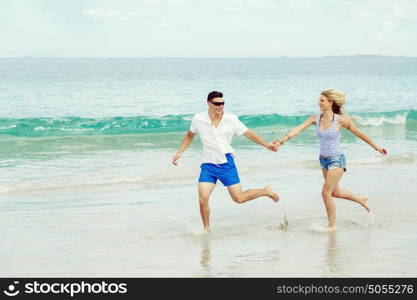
[193, 126]
[240, 128]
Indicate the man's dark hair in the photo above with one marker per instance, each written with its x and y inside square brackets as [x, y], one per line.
[214, 94]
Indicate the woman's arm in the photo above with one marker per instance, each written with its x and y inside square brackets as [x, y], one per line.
[350, 125]
[296, 130]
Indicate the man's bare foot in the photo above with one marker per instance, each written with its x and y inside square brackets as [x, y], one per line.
[364, 203]
[271, 193]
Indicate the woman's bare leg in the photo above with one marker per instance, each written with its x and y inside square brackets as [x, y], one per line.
[348, 195]
[331, 181]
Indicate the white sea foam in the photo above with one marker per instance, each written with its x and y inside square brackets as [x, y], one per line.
[143, 144]
[76, 129]
[380, 120]
[7, 127]
[396, 158]
[4, 189]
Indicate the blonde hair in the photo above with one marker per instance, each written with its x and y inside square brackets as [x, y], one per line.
[337, 98]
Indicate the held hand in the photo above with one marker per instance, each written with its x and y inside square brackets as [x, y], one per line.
[276, 144]
[273, 147]
[175, 158]
[382, 150]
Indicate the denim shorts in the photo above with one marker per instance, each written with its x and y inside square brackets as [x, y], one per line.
[333, 162]
[226, 173]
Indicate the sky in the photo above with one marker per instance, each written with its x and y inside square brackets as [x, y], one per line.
[207, 28]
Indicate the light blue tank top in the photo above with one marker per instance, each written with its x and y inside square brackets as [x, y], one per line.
[329, 139]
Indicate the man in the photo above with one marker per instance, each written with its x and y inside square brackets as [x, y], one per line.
[216, 129]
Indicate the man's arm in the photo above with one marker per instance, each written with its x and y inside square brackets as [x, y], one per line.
[188, 138]
[254, 137]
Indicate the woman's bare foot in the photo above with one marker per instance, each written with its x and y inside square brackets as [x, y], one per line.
[331, 228]
[271, 193]
[364, 203]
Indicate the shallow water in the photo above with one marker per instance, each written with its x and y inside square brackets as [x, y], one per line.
[89, 189]
[130, 229]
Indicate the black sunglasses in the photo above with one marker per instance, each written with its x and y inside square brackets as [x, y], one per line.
[217, 103]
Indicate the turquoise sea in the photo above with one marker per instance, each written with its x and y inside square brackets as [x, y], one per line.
[87, 187]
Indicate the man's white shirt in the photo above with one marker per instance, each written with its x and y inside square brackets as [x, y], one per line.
[216, 140]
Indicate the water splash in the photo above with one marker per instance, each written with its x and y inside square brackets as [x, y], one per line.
[284, 220]
[371, 220]
[318, 228]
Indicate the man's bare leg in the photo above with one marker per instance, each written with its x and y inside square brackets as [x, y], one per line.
[204, 191]
[240, 196]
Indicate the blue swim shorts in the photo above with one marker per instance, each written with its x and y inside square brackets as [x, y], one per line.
[333, 162]
[226, 173]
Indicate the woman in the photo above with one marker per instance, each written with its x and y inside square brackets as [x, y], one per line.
[332, 160]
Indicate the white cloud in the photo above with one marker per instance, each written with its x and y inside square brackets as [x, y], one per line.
[209, 28]
[384, 20]
[385, 10]
[109, 15]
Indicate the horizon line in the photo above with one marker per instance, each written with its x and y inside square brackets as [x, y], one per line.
[163, 56]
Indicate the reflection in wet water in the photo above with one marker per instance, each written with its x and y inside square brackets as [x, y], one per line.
[205, 255]
[332, 261]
